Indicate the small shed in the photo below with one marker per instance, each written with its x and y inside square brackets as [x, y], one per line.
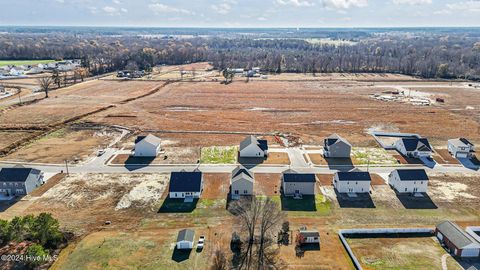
[185, 239]
[309, 236]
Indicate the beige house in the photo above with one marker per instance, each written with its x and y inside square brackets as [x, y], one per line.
[241, 182]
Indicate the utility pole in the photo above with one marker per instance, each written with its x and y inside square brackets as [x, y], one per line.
[66, 165]
[368, 164]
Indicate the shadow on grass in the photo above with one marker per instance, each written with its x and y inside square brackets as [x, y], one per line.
[411, 202]
[340, 164]
[468, 263]
[177, 206]
[180, 255]
[310, 247]
[363, 200]
[136, 163]
[5, 203]
[306, 203]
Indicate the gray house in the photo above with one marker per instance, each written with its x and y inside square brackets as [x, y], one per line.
[461, 148]
[253, 147]
[336, 147]
[298, 184]
[241, 182]
[19, 181]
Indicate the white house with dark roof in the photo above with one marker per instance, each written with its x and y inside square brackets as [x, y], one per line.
[414, 147]
[336, 147]
[185, 185]
[409, 180]
[352, 182]
[19, 181]
[185, 239]
[461, 148]
[253, 147]
[241, 182]
[458, 242]
[298, 184]
[147, 146]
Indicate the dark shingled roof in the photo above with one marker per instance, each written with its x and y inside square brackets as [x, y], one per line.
[354, 176]
[239, 170]
[186, 235]
[263, 144]
[310, 233]
[16, 174]
[185, 182]
[456, 235]
[299, 177]
[412, 175]
[420, 144]
[461, 142]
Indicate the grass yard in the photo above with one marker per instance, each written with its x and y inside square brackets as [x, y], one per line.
[219, 155]
[308, 206]
[24, 62]
[362, 156]
[400, 253]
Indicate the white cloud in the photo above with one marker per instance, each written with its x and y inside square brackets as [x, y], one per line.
[344, 4]
[159, 8]
[224, 7]
[412, 2]
[111, 10]
[471, 6]
[296, 3]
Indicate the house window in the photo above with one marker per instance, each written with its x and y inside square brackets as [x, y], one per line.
[405, 189]
[421, 182]
[245, 191]
[236, 192]
[356, 183]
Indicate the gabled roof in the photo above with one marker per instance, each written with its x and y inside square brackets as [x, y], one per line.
[461, 142]
[241, 169]
[186, 235]
[292, 176]
[185, 182]
[151, 139]
[17, 174]
[419, 144]
[456, 235]
[242, 176]
[335, 138]
[262, 144]
[354, 176]
[310, 233]
[412, 175]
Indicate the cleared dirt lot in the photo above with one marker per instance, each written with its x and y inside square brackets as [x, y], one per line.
[314, 110]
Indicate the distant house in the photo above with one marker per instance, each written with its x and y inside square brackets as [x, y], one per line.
[457, 241]
[336, 147]
[241, 182]
[185, 239]
[414, 147]
[461, 148]
[253, 147]
[186, 185]
[298, 184]
[352, 182]
[309, 236]
[19, 181]
[15, 72]
[408, 180]
[147, 146]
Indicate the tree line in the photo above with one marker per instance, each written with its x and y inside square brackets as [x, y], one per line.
[438, 55]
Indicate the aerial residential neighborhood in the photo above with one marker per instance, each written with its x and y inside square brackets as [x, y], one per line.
[218, 135]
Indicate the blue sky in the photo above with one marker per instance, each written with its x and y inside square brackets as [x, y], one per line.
[241, 13]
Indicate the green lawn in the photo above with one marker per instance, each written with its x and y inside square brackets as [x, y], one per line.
[24, 62]
[219, 155]
[374, 156]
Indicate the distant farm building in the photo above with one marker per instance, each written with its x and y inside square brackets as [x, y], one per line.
[147, 146]
[336, 147]
[352, 182]
[409, 180]
[461, 148]
[253, 147]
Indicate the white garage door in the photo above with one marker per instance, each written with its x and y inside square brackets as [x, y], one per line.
[183, 245]
[461, 155]
[472, 252]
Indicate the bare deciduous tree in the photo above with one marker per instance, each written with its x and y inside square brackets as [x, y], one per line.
[219, 260]
[45, 84]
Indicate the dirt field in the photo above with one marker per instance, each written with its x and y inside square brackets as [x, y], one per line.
[267, 184]
[64, 144]
[8, 138]
[442, 156]
[318, 159]
[314, 111]
[400, 253]
[277, 158]
[171, 155]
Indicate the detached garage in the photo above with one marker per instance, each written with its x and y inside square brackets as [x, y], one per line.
[185, 239]
[456, 240]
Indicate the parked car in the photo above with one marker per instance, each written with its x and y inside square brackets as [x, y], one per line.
[201, 242]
